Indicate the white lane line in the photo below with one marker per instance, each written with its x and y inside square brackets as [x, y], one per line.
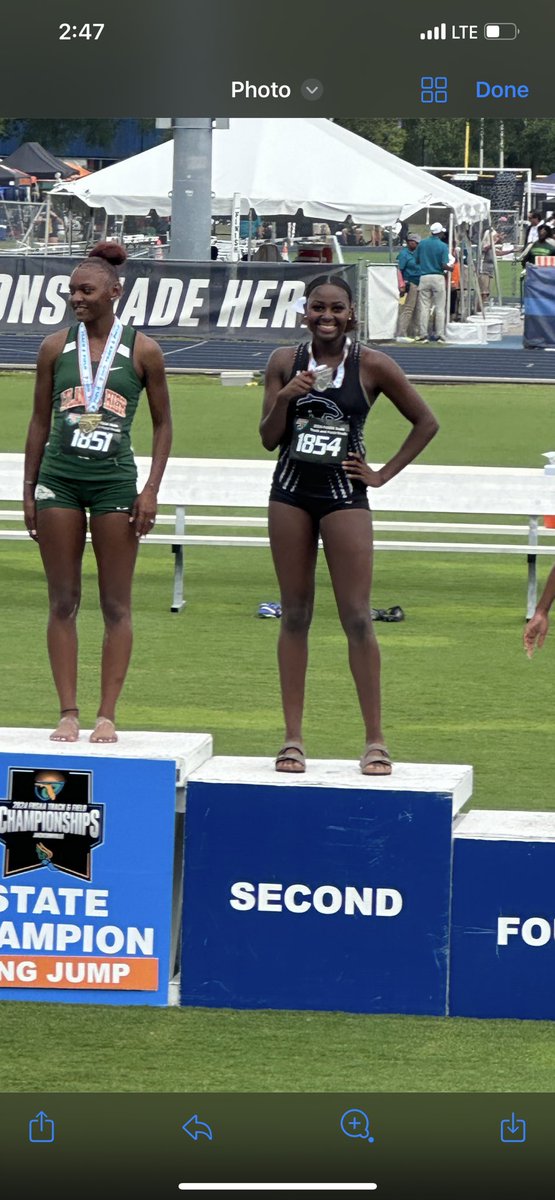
[185, 349]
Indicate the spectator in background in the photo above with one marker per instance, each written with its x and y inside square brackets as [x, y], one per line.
[531, 230]
[455, 305]
[249, 226]
[453, 267]
[487, 267]
[432, 257]
[544, 244]
[267, 252]
[408, 272]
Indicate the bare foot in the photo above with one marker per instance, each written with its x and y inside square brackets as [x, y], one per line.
[291, 758]
[67, 729]
[104, 731]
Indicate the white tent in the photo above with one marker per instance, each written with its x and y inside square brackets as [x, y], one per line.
[279, 165]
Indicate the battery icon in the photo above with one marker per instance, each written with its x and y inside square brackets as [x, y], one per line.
[505, 32]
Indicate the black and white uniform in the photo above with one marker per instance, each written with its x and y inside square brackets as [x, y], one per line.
[323, 487]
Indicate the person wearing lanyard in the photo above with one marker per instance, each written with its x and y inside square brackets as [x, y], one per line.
[317, 398]
[78, 456]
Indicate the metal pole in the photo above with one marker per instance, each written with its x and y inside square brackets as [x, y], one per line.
[192, 189]
[47, 223]
[481, 154]
[235, 226]
[501, 145]
[449, 273]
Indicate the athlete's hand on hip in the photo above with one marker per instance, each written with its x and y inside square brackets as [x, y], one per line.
[536, 632]
[299, 385]
[143, 513]
[356, 468]
[30, 517]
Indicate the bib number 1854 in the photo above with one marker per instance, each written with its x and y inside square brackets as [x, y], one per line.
[318, 441]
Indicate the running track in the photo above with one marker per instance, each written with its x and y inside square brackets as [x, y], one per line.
[504, 361]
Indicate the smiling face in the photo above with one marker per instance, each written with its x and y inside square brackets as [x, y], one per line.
[329, 312]
[92, 292]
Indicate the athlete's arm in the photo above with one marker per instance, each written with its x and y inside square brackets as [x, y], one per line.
[278, 393]
[150, 363]
[536, 630]
[39, 426]
[381, 374]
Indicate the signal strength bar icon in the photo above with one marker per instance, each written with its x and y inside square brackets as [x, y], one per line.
[437, 34]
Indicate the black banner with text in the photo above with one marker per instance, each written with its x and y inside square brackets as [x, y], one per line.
[224, 300]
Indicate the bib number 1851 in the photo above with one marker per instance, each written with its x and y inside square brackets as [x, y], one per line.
[98, 440]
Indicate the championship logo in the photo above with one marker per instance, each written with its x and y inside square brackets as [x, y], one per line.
[48, 821]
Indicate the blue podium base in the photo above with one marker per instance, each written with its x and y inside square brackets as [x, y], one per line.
[329, 890]
[91, 865]
[503, 921]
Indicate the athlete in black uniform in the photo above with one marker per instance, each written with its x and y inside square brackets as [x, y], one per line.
[316, 400]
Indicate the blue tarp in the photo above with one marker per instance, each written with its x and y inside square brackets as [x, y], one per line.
[539, 307]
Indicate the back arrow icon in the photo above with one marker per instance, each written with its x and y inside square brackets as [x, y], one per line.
[195, 1128]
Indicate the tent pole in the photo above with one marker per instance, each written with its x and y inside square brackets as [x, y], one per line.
[47, 223]
[479, 260]
[496, 269]
[463, 274]
[474, 275]
[235, 226]
[449, 273]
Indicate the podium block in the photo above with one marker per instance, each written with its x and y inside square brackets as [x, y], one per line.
[88, 901]
[503, 918]
[329, 890]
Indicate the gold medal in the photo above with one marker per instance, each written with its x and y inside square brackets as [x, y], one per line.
[89, 422]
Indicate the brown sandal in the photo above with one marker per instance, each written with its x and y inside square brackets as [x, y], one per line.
[375, 754]
[292, 752]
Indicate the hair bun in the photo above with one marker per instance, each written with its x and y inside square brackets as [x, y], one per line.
[112, 252]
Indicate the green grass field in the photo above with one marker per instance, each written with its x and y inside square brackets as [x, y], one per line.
[457, 687]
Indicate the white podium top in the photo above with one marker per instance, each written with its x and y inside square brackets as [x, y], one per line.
[454, 780]
[187, 750]
[482, 825]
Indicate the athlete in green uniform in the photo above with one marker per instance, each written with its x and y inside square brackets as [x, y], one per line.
[78, 456]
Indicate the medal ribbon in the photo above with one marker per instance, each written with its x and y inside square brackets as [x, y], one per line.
[340, 372]
[93, 389]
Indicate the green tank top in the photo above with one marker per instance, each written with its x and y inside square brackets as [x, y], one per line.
[93, 445]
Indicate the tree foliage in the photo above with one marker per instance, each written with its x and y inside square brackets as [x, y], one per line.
[441, 141]
[383, 131]
[56, 135]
